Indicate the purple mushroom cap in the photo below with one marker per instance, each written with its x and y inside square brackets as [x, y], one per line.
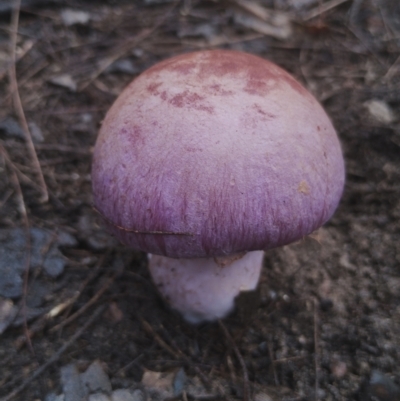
[215, 153]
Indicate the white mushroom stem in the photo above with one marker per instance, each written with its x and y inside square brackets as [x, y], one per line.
[205, 289]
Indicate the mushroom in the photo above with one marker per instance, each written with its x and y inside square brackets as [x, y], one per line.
[206, 160]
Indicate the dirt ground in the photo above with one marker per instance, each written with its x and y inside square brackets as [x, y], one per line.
[325, 323]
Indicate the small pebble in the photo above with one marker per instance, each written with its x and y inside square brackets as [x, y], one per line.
[99, 397]
[382, 387]
[380, 111]
[179, 382]
[71, 383]
[127, 395]
[95, 379]
[72, 17]
[262, 397]
[338, 369]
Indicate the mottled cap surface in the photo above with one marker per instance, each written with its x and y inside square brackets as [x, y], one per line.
[213, 153]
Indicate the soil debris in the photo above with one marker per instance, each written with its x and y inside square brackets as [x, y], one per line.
[325, 321]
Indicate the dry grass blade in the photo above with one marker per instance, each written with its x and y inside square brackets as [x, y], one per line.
[246, 386]
[85, 307]
[25, 49]
[147, 327]
[22, 208]
[316, 347]
[131, 230]
[271, 357]
[392, 71]
[18, 104]
[178, 354]
[128, 45]
[41, 323]
[56, 356]
[323, 8]
[347, 54]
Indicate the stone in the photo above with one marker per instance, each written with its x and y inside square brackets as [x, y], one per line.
[94, 379]
[44, 252]
[127, 395]
[71, 383]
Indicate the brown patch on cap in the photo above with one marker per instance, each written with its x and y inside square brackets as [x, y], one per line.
[260, 76]
[304, 188]
[265, 114]
[191, 100]
[217, 89]
[223, 261]
[153, 88]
